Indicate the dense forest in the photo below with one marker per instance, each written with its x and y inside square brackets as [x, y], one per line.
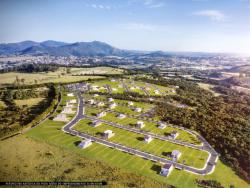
[14, 117]
[224, 121]
[31, 68]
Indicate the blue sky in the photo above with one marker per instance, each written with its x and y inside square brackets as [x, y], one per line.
[168, 25]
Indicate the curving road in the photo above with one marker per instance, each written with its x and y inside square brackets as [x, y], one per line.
[207, 169]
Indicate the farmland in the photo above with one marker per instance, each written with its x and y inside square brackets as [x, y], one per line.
[58, 76]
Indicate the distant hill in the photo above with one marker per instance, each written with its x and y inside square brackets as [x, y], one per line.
[56, 48]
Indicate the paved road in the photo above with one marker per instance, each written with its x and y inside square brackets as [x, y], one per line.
[208, 168]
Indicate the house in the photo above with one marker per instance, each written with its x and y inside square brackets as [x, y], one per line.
[68, 104]
[61, 117]
[137, 109]
[112, 105]
[174, 134]
[121, 116]
[70, 95]
[113, 80]
[151, 99]
[156, 92]
[96, 95]
[95, 88]
[173, 91]
[91, 101]
[177, 87]
[162, 125]
[110, 99]
[100, 104]
[166, 169]
[72, 101]
[175, 154]
[130, 103]
[148, 138]
[140, 124]
[85, 143]
[101, 114]
[147, 88]
[95, 123]
[108, 134]
[67, 110]
[132, 88]
[114, 89]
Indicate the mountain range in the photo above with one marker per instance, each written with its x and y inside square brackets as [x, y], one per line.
[95, 48]
[56, 48]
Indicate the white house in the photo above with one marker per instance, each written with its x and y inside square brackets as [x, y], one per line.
[130, 103]
[166, 169]
[100, 104]
[95, 123]
[112, 105]
[147, 88]
[61, 117]
[156, 92]
[101, 114]
[108, 134]
[113, 80]
[85, 143]
[95, 88]
[132, 88]
[174, 134]
[162, 125]
[72, 101]
[148, 138]
[114, 89]
[137, 109]
[121, 116]
[140, 124]
[175, 154]
[91, 101]
[67, 110]
[70, 95]
[110, 99]
[68, 104]
[96, 95]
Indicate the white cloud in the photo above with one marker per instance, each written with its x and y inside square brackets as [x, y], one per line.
[214, 15]
[99, 6]
[139, 26]
[153, 3]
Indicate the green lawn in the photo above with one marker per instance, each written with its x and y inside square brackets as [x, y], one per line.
[50, 132]
[158, 147]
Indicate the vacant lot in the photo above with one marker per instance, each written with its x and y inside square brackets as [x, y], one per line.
[31, 160]
[58, 76]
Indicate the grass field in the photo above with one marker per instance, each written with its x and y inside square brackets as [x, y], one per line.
[208, 87]
[160, 148]
[133, 86]
[57, 76]
[29, 102]
[50, 132]
[97, 70]
[32, 160]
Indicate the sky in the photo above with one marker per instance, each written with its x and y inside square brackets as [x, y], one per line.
[167, 25]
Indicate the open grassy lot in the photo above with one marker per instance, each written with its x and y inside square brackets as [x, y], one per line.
[208, 87]
[133, 86]
[45, 77]
[50, 132]
[161, 148]
[32, 160]
[29, 102]
[97, 70]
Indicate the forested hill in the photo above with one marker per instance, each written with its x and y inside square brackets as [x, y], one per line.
[224, 121]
